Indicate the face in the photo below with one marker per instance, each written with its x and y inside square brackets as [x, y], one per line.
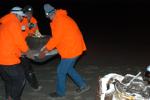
[50, 15]
[29, 15]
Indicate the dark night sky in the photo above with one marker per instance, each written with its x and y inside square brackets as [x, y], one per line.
[112, 21]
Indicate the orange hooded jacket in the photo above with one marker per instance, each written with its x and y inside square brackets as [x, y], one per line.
[11, 41]
[25, 25]
[66, 36]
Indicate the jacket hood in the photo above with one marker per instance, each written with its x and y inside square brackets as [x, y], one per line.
[8, 18]
[61, 12]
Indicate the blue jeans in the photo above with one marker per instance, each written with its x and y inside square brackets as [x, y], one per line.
[14, 79]
[66, 67]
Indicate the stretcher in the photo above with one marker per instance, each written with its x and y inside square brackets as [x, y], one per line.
[35, 44]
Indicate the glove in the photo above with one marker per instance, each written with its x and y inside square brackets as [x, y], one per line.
[29, 54]
[43, 52]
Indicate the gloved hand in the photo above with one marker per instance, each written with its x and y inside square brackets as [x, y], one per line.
[43, 52]
[29, 54]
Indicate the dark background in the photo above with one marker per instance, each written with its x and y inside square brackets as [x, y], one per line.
[115, 31]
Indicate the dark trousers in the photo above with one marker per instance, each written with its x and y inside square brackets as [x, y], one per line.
[14, 79]
[29, 72]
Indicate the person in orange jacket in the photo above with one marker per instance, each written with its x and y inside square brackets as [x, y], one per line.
[13, 45]
[29, 24]
[30, 28]
[69, 42]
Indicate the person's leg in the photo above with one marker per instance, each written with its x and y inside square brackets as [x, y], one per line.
[18, 82]
[79, 81]
[7, 83]
[29, 73]
[61, 77]
[15, 81]
[66, 67]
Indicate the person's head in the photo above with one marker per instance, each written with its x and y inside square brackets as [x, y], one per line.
[18, 12]
[28, 10]
[49, 11]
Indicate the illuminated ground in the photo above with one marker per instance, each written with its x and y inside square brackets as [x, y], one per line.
[91, 66]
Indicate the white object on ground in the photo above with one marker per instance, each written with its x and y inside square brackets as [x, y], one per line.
[105, 81]
[148, 68]
[108, 87]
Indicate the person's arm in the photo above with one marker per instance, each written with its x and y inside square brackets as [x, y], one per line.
[57, 36]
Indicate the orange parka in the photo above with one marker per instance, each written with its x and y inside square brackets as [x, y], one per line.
[12, 44]
[25, 26]
[66, 36]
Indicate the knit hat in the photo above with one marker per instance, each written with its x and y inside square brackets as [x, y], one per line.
[17, 10]
[49, 9]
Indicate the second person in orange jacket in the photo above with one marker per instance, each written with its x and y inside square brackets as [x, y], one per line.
[29, 23]
[68, 40]
[30, 28]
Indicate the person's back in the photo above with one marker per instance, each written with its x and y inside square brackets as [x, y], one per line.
[12, 45]
[11, 40]
[66, 31]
